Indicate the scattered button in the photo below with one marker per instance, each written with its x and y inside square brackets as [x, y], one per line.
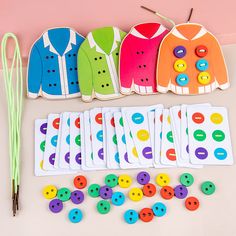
[124, 181]
[167, 192]
[180, 65]
[80, 182]
[50, 192]
[75, 215]
[186, 179]
[208, 187]
[93, 190]
[105, 192]
[55, 205]
[201, 51]
[179, 51]
[159, 209]
[192, 203]
[111, 180]
[146, 214]
[143, 177]
[63, 194]
[118, 198]
[182, 79]
[162, 179]
[131, 216]
[149, 190]
[77, 197]
[181, 191]
[103, 207]
[204, 78]
[135, 194]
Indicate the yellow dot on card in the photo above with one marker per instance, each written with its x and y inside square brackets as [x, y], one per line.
[134, 151]
[168, 119]
[143, 135]
[41, 165]
[216, 118]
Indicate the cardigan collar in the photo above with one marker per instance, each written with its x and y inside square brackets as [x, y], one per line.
[92, 42]
[47, 42]
[138, 34]
[176, 31]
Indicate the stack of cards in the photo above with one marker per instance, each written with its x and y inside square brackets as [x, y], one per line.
[132, 137]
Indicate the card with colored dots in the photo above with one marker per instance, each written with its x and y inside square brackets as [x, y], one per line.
[209, 136]
[168, 153]
[98, 143]
[64, 153]
[75, 141]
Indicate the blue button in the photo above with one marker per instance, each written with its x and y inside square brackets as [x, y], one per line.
[54, 140]
[182, 79]
[75, 215]
[202, 65]
[131, 216]
[100, 135]
[137, 118]
[118, 198]
[220, 153]
[159, 209]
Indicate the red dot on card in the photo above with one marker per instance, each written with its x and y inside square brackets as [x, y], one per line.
[56, 123]
[98, 118]
[77, 122]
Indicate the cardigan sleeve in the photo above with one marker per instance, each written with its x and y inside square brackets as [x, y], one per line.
[164, 67]
[85, 76]
[34, 73]
[219, 65]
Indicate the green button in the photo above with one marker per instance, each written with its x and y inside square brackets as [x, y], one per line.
[208, 188]
[63, 194]
[186, 179]
[114, 139]
[199, 135]
[170, 136]
[111, 180]
[78, 140]
[103, 207]
[218, 135]
[93, 190]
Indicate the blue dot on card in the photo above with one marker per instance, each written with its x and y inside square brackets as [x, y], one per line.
[161, 135]
[137, 118]
[68, 121]
[220, 153]
[100, 135]
[123, 139]
[54, 140]
[68, 139]
[117, 159]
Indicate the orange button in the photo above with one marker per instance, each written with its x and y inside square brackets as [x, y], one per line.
[167, 192]
[149, 190]
[80, 182]
[146, 214]
[192, 203]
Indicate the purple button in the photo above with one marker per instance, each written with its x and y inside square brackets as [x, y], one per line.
[100, 153]
[147, 152]
[67, 157]
[52, 159]
[143, 177]
[105, 192]
[180, 51]
[77, 197]
[201, 153]
[78, 158]
[181, 191]
[43, 128]
[55, 205]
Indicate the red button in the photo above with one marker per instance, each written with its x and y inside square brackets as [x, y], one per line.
[56, 123]
[98, 118]
[167, 192]
[201, 51]
[146, 214]
[198, 117]
[77, 123]
[192, 203]
[149, 190]
[80, 182]
[170, 154]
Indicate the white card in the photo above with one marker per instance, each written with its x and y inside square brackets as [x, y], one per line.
[209, 136]
[75, 141]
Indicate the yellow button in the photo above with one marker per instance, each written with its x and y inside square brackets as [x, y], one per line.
[124, 181]
[204, 78]
[135, 194]
[162, 179]
[216, 118]
[143, 135]
[50, 192]
[180, 65]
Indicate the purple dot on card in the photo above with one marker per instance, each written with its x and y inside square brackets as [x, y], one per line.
[67, 157]
[100, 153]
[126, 157]
[78, 158]
[201, 153]
[43, 128]
[187, 148]
[147, 152]
[52, 159]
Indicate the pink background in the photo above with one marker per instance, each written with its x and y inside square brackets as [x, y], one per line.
[29, 18]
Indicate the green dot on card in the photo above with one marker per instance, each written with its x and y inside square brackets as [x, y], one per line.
[218, 135]
[170, 136]
[199, 135]
[77, 140]
[42, 146]
[121, 121]
[114, 139]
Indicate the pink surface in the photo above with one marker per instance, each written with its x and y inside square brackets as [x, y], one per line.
[28, 19]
